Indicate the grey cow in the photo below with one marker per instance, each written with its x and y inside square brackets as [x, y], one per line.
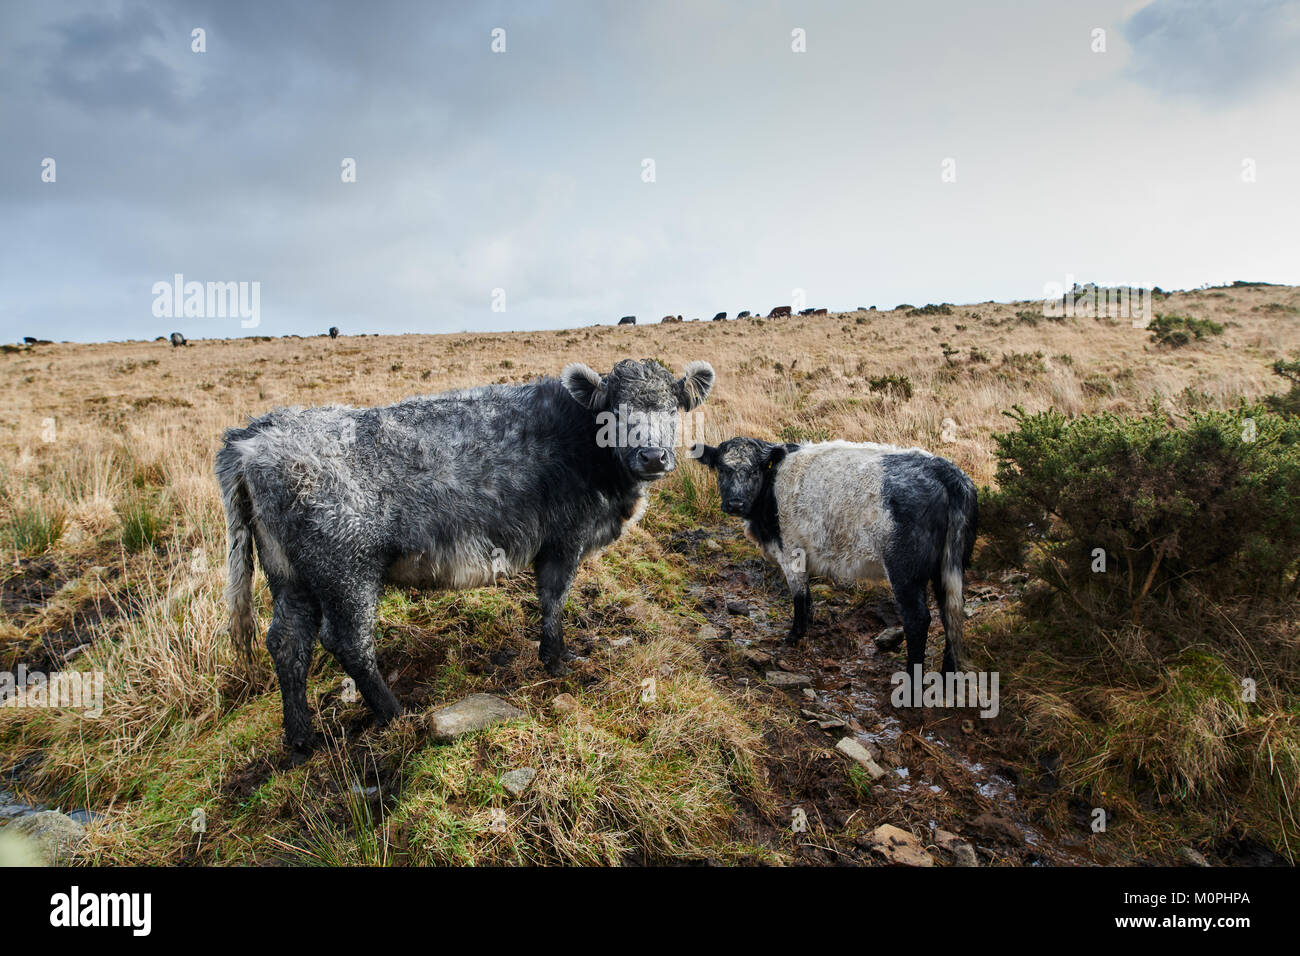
[437, 491]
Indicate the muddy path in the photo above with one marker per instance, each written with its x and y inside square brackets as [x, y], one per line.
[948, 771]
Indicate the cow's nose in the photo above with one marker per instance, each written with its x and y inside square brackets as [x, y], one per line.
[654, 459]
[733, 504]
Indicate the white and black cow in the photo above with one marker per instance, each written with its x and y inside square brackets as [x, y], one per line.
[853, 512]
[437, 491]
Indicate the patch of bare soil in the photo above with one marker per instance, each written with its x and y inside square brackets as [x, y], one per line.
[945, 769]
[46, 642]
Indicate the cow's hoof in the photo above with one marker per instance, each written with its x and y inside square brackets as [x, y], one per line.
[792, 638]
[556, 667]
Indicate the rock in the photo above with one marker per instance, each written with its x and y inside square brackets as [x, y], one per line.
[17, 850]
[517, 781]
[825, 721]
[897, 846]
[861, 756]
[621, 642]
[1191, 857]
[366, 792]
[756, 657]
[475, 712]
[889, 639]
[963, 854]
[946, 839]
[786, 679]
[51, 836]
[712, 544]
[810, 693]
[994, 826]
[707, 632]
[737, 607]
[564, 704]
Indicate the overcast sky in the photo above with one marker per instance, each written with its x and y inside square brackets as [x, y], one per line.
[525, 170]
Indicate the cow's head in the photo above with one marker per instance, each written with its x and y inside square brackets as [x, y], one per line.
[637, 406]
[742, 465]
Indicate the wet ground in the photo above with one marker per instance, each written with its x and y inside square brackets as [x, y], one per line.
[946, 769]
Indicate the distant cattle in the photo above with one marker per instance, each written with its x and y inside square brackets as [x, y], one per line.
[806, 311]
[818, 312]
[627, 320]
[854, 512]
[779, 311]
[334, 331]
[743, 315]
[30, 340]
[671, 318]
[720, 317]
[177, 340]
[437, 491]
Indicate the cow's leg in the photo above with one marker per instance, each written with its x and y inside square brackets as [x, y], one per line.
[951, 655]
[349, 634]
[797, 579]
[291, 639]
[915, 612]
[555, 570]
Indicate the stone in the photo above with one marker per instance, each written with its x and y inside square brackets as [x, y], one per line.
[737, 607]
[1190, 857]
[963, 854]
[712, 544]
[786, 679]
[707, 632]
[861, 756]
[621, 642]
[889, 639]
[756, 657]
[51, 836]
[897, 846]
[474, 712]
[564, 704]
[517, 781]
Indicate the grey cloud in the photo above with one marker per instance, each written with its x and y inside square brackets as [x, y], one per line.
[1215, 50]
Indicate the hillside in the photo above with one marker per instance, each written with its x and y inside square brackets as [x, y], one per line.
[115, 561]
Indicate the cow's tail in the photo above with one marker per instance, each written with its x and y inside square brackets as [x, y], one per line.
[959, 542]
[239, 533]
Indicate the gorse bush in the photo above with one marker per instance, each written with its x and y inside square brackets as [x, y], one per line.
[1288, 404]
[1154, 652]
[1178, 330]
[1119, 513]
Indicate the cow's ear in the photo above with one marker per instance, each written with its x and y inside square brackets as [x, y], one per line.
[585, 385]
[706, 455]
[775, 454]
[694, 386]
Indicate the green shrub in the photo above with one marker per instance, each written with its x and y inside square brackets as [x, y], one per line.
[1176, 331]
[1208, 503]
[899, 385]
[1288, 404]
